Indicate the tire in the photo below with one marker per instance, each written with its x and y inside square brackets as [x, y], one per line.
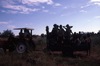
[21, 48]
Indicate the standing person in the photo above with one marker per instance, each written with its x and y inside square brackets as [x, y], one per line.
[67, 47]
[55, 33]
[54, 37]
[68, 32]
[84, 40]
[61, 34]
[47, 32]
[60, 37]
[88, 40]
[79, 35]
[47, 37]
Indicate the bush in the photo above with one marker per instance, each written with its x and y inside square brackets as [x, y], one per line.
[7, 33]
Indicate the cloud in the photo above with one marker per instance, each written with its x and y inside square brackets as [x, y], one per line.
[53, 13]
[83, 11]
[12, 11]
[9, 11]
[95, 2]
[84, 6]
[91, 3]
[15, 7]
[63, 15]
[11, 26]
[65, 7]
[6, 2]
[19, 9]
[43, 7]
[27, 2]
[97, 17]
[57, 4]
[8, 25]
[45, 11]
[4, 23]
[26, 6]
[23, 6]
[33, 2]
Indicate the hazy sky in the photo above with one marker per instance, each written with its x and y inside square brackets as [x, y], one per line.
[83, 15]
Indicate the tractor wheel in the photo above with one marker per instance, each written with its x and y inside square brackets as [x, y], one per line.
[21, 48]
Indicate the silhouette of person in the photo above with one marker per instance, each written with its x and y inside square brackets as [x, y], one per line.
[84, 40]
[67, 47]
[75, 36]
[61, 34]
[55, 33]
[88, 40]
[26, 33]
[68, 32]
[79, 35]
[47, 31]
[47, 36]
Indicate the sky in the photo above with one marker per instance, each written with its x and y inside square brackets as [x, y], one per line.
[83, 15]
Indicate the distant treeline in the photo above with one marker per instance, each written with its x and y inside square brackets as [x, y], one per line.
[7, 33]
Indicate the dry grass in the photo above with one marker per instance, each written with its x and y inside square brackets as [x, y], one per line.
[39, 58]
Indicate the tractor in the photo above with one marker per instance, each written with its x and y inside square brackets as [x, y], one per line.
[21, 43]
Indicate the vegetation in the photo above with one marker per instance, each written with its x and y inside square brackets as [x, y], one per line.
[6, 33]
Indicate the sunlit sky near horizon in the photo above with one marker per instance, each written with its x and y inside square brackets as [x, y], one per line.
[83, 15]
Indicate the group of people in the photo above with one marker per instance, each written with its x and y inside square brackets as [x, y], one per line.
[59, 33]
[62, 38]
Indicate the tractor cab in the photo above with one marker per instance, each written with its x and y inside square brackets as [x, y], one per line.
[25, 32]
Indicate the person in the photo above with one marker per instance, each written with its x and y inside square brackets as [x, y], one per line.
[47, 32]
[88, 42]
[74, 36]
[67, 47]
[68, 31]
[47, 37]
[88, 39]
[26, 33]
[61, 34]
[67, 34]
[55, 33]
[79, 35]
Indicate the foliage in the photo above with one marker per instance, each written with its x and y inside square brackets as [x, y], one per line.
[43, 35]
[96, 39]
[7, 33]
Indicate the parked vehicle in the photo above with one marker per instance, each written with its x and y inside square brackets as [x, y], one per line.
[21, 43]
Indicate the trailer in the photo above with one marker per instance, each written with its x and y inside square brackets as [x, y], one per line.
[67, 44]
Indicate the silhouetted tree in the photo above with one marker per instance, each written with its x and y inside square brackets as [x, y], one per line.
[7, 33]
[42, 35]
